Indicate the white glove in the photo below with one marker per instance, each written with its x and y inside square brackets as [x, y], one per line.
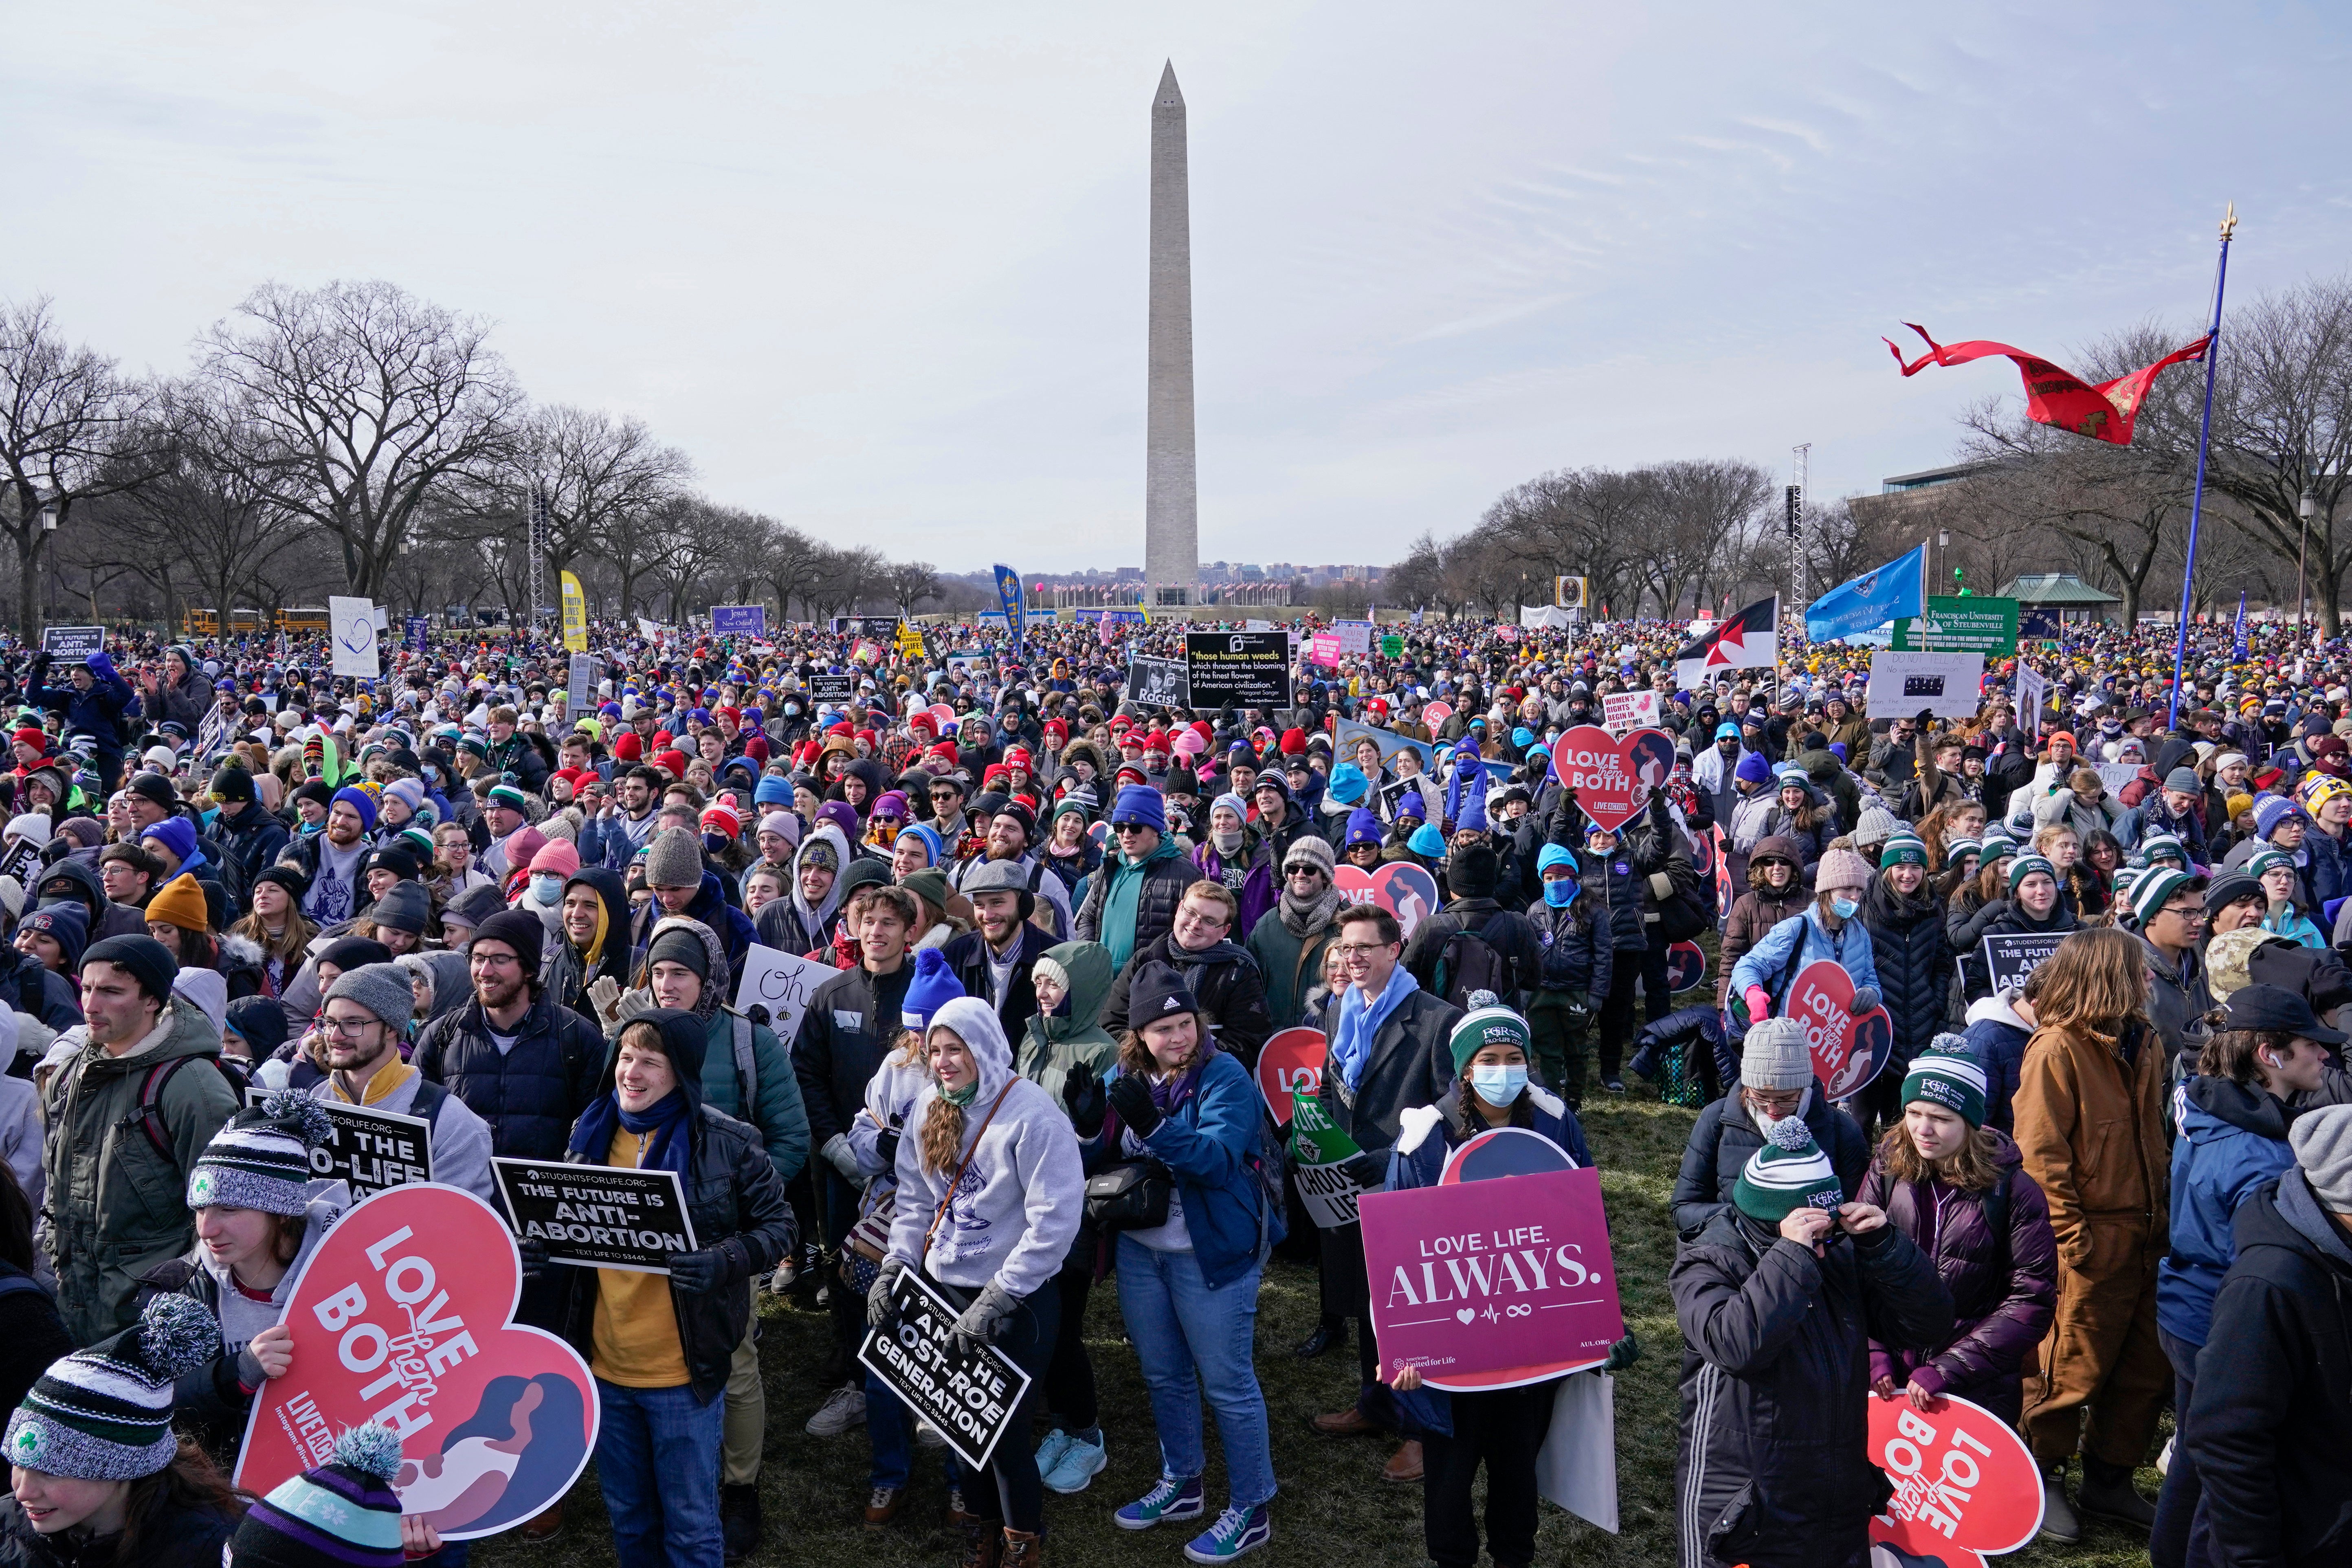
[604, 992]
[843, 1158]
[632, 1002]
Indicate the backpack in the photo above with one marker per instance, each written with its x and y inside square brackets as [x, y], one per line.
[1471, 961]
[151, 1096]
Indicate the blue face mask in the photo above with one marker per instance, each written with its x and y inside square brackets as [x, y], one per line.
[1561, 892]
[1844, 907]
[546, 889]
[1499, 1086]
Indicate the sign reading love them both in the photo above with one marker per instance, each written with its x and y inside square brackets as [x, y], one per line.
[403, 1315]
[1847, 1051]
[1966, 1486]
[1492, 1284]
[1612, 778]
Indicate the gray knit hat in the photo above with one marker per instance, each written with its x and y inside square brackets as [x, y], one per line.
[105, 1414]
[2322, 1141]
[1774, 1057]
[261, 1159]
[1312, 849]
[405, 906]
[1876, 825]
[382, 988]
[674, 860]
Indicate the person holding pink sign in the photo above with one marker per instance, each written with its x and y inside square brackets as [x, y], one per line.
[1499, 1428]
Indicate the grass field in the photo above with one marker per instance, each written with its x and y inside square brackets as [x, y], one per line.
[1334, 1509]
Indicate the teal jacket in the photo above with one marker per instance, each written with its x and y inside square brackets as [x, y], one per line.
[782, 1120]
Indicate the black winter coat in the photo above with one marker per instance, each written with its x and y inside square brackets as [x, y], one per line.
[1915, 966]
[1508, 931]
[1411, 1063]
[1998, 917]
[1577, 952]
[250, 843]
[849, 1025]
[531, 1095]
[1724, 1137]
[2270, 1425]
[737, 1203]
[1773, 1466]
[173, 1537]
[966, 958]
[1224, 979]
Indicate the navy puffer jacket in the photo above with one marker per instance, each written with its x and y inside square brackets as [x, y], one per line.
[531, 1095]
[1915, 965]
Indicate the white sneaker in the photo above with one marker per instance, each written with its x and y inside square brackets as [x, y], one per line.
[928, 1436]
[844, 1408]
[2164, 1460]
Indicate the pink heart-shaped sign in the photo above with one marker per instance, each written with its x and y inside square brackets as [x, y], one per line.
[403, 1315]
[1404, 890]
[1436, 713]
[1966, 1486]
[1612, 778]
[1847, 1051]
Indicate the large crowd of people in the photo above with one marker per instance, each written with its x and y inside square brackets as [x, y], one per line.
[1060, 926]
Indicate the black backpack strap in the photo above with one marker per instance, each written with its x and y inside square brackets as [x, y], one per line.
[151, 1103]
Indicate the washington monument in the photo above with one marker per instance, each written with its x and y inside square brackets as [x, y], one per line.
[1171, 516]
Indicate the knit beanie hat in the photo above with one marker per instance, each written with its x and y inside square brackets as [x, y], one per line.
[1483, 1026]
[364, 803]
[1159, 991]
[674, 860]
[1139, 803]
[149, 962]
[1426, 840]
[410, 792]
[2268, 860]
[2184, 781]
[1998, 842]
[1310, 850]
[1752, 768]
[676, 945]
[342, 1513]
[105, 1414]
[1788, 1172]
[2153, 891]
[261, 1158]
[1876, 825]
[405, 906]
[519, 929]
[2025, 865]
[1841, 869]
[2165, 846]
[932, 988]
[2271, 810]
[2321, 1138]
[382, 988]
[1773, 1055]
[1232, 803]
[232, 783]
[1905, 848]
[1947, 1074]
[510, 797]
[68, 924]
[1364, 827]
[174, 834]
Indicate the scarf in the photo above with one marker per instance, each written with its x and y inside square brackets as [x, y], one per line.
[1304, 918]
[669, 1148]
[388, 1077]
[1360, 1021]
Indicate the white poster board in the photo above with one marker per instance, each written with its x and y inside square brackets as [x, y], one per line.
[351, 629]
[1623, 712]
[1945, 684]
[1576, 1465]
[2032, 692]
[1355, 636]
[781, 982]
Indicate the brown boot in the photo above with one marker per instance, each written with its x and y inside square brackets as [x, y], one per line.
[544, 1526]
[983, 1545]
[1404, 1464]
[1348, 1423]
[1023, 1548]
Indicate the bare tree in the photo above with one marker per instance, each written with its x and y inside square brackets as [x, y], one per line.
[592, 469]
[1698, 516]
[368, 404]
[73, 430]
[911, 583]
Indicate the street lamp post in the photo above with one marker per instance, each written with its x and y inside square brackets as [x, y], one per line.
[2304, 510]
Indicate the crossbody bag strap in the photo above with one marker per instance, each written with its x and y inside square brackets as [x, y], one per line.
[962, 1166]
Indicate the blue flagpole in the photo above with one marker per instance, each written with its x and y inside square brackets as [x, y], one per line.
[2204, 432]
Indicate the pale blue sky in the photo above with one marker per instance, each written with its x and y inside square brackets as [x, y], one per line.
[880, 269]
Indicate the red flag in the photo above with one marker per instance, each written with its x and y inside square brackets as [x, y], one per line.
[2057, 396]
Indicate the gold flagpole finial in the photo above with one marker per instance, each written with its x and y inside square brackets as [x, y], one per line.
[2230, 223]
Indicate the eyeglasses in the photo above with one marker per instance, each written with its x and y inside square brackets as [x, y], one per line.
[1351, 950]
[345, 1029]
[2192, 913]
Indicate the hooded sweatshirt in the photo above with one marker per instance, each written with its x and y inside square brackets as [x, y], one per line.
[1014, 1211]
[797, 926]
[2232, 1142]
[1054, 1043]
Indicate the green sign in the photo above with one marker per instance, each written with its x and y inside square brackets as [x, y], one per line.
[1315, 1139]
[1391, 647]
[1961, 625]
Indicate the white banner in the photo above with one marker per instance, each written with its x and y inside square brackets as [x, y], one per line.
[352, 629]
[1944, 684]
[781, 982]
[1355, 636]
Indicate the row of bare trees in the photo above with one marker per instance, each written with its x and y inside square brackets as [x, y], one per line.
[353, 439]
[1686, 536]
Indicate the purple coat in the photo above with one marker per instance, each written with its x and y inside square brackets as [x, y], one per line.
[1256, 892]
[2003, 1297]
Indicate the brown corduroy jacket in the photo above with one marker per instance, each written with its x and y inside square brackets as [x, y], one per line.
[2090, 1125]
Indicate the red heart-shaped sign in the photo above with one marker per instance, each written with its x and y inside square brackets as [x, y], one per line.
[1847, 1051]
[1402, 888]
[403, 1315]
[1289, 1064]
[1966, 1486]
[1612, 778]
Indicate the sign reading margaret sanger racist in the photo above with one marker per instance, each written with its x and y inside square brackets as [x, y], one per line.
[597, 1216]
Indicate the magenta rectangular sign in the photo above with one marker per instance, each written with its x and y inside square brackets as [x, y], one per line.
[1495, 1283]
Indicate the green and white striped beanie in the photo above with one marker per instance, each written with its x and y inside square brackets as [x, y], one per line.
[105, 1414]
[1788, 1172]
[261, 1158]
[1947, 1074]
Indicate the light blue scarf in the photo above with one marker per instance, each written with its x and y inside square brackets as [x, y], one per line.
[1360, 1021]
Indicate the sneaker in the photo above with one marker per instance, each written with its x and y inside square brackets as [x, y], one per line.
[928, 1436]
[842, 1408]
[882, 1504]
[1236, 1532]
[1613, 1085]
[1076, 1466]
[1049, 1452]
[2164, 1460]
[959, 1517]
[1171, 1499]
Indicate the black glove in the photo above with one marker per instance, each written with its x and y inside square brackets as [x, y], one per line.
[1082, 1092]
[700, 1272]
[1924, 718]
[1367, 1170]
[886, 1143]
[534, 1256]
[1132, 1099]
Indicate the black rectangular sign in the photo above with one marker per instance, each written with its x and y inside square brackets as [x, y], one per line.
[970, 1399]
[597, 1216]
[370, 1149]
[1159, 682]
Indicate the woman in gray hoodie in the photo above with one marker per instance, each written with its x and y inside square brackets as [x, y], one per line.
[990, 1193]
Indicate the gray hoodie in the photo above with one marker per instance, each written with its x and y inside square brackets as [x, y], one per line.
[1015, 1209]
[460, 1137]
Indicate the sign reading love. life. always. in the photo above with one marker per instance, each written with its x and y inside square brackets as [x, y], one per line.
[1405, 890]
[403, 1315]
[1612, 778]
[1492, 1284]
[1847, 1051]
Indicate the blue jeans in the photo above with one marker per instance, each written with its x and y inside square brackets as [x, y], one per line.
[890, 1432]
[1192, 1339]
[657, 1461]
